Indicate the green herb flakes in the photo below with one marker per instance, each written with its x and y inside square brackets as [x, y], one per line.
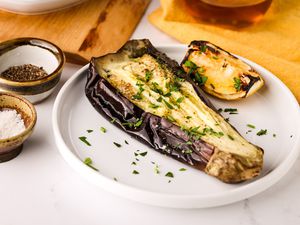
[261, 132]
[126, 142]
[88, 161]
[169, 174]
[230, 137]
[251, 126]
[102, 129]
[135, 172]
[117, 144]
[153, 106]
[203, 48]
[133, 163]
[170, 118]
[190, 64]
[215, 57]
[187, 151]
[143, 154]
[237, 83]
[179, 100]
[231, 110]
[148, 75]
[182, 169]
[168, 104]
[84, 140]
[89, 131]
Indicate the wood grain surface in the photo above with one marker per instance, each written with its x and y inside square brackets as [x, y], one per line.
[93, 28]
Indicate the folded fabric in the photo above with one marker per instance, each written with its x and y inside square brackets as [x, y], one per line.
[273, 43]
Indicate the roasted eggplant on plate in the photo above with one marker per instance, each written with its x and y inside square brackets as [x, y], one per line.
[149, 96]
[219, 73]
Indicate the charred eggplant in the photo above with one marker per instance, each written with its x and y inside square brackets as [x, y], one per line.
[219, 73]
[149, 96]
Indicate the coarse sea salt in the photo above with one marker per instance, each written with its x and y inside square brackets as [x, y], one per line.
[11, 123]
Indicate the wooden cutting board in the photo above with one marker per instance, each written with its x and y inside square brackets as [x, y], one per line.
[93, 28]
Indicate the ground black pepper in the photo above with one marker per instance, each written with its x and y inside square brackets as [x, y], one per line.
[26, 72]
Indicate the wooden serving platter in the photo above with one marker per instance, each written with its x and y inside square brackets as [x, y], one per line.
[93, 28]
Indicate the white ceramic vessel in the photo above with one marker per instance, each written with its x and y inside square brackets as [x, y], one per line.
[273, 108]
[36, 6]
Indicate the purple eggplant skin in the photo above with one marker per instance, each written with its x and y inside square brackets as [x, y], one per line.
[154, 131]
[159, 133]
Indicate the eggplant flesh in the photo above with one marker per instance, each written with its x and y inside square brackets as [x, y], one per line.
[225, 76]
[148, 96]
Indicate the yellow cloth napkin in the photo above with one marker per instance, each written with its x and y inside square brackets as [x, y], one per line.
[273, 43]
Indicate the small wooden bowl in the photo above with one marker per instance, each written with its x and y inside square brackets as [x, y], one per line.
[12, 146]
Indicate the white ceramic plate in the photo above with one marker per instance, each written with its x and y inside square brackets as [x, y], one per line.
[273, 108]
[36, 6]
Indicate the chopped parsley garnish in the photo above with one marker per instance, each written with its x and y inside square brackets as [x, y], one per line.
[230, 137]
[201, 80]
[168, 104]
[168, 94]
[156, 169]
[136, 154]
[138, 95]
[126, 142]
[203, 48]
[215, 57]
[143, 154]
[133, 163]
[169, 174]
[188, 117]
[102, 129]
[153, 106]
[84, 140]
[261, 132]
[251, 126]
[220, 110]
[170, 118]
[187, 151]
[180, 99]
[156, 88]
[182, 169]
[135, 124]
[189, 143]
[190, 65]
[138, 123]
[159, 99]
[88, 161]
[230, 110]
[173, 86]
[148, 75]
[117, 144]
[89, 131]
[237, 83]
[135, 172]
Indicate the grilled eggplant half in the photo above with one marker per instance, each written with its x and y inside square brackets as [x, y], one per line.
[149, 96]
[219, 73]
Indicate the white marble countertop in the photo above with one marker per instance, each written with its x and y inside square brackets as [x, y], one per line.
[39, 188]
